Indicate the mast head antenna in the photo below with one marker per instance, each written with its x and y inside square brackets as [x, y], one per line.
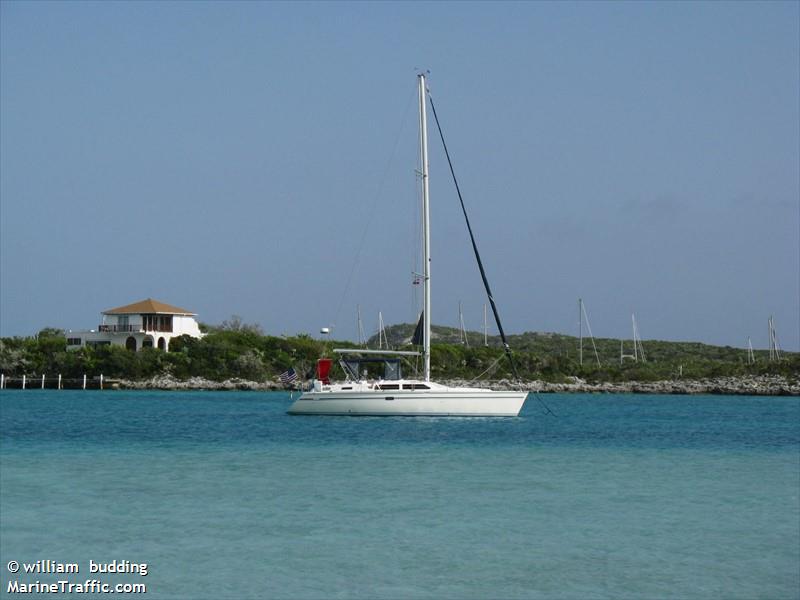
[423, 73]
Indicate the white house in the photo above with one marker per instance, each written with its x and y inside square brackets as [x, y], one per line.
[139, 325]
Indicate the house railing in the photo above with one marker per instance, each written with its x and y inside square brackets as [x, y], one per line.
[155, 327]
[120, 328]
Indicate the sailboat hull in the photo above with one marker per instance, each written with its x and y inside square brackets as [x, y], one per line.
[454, 402]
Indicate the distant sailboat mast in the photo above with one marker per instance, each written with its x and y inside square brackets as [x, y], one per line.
[485, 328]
[381, 332]
[361, 338]
[637, 340]
[462, 332]
[638, 349]
[580, 331]
[774, 348]
[582, 314]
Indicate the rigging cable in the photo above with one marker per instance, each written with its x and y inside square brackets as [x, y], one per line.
[372, 207]
[506, 347]
[490, 368]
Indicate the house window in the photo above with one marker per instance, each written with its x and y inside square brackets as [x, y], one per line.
[73, 341]
[157, 323]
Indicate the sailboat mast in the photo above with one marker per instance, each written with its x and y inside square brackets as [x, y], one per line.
[426, 231]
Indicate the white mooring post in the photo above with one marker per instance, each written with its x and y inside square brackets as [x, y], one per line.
[2, 380]
[42, 380]
[59, 381]
[84, 381]
[101, 381]
[23, 381]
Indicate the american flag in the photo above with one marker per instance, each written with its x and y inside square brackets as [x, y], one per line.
[288, 376]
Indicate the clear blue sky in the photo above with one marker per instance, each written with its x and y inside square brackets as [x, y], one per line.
[230, 158]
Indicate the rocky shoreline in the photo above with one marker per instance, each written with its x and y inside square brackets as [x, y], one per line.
[765, 385]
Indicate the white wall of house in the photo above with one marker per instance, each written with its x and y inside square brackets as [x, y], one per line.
[185, 325]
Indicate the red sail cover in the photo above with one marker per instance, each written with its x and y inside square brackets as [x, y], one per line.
[324, 369]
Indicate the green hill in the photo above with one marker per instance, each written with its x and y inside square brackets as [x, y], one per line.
[554, 356]
[608, 349]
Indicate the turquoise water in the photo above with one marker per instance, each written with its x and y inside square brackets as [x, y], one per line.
[223, 495]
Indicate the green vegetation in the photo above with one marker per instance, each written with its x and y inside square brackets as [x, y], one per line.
[237, 350]
[223, 353]
[554, 357]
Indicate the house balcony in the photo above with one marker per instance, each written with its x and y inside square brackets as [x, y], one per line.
[146, 328]
[120, 328]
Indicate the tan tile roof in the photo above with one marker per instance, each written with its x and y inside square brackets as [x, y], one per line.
[148, 306]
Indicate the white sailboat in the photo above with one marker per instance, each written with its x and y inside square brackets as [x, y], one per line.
[374, 382]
